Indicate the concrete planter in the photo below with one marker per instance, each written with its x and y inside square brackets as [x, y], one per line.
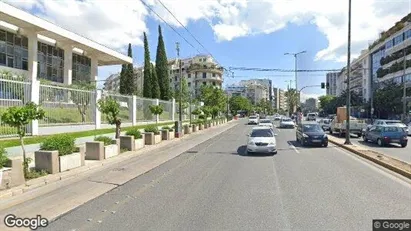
[95, 150]
[110, 151]
[187, 129]
[53, 163]
[12, 175]
[205, 125]
[149, 138]
[194, 127]
[165, 135]
[157, 138]
[200, 127]
[127, 142]
[139, 143]
[172, 134]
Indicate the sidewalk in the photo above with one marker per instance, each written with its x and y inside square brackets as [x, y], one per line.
[54, 199]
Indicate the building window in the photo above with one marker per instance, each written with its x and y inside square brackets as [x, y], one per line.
[389, 44]
[213, 83]
[81, 68]
[13, 50]
[189, 75]
[204, 75]
[214, 74]
[50, 63]
[175, 78]
[398, 39]
[189, 84]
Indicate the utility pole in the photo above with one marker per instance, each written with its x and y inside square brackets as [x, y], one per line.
[347, 132]
[189, 106]
[295, 71]
[180, 106]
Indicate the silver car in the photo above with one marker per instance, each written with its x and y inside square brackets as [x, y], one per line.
[262, 140]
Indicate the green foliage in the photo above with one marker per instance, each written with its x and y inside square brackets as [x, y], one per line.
[387, 99]
[153, 129]
[127, 85]
[156, 109]
[62, 142]
[105, 139]
[166, 128]
[155, 91]
[214, 100]
[3, 157]
[264, 106]
[148, 82]
[202, 117]
[292, 99]
[196, 111]
[329, 104]
[82, 98]
[238, 103]
[134, 132]
[36, 174]
[162, 68]
[111, 108]
[20, 117]
[185, 94]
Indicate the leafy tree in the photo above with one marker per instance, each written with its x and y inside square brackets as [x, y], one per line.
[292, 99]
[328, 104]
[238, 103]
[156, 110]
[185, 93]
[20, 117]
[162, 68]
[111, 108]
[212, 96]
[387, 100]
[155, 94]
[127, 85]
[82, 97]
[148, 82]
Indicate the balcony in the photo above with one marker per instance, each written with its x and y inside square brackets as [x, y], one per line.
[213, 68]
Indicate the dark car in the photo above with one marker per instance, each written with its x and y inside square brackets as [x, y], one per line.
[386, 134]
[310, 133]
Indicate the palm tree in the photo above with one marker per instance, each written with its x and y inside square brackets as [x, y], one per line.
[292, 99]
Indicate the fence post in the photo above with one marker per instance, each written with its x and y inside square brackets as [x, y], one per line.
[35, 98]
[157, 116]
[173, 109]
[134, 111]
[97, 113]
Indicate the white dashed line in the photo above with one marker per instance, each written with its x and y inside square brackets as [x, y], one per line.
[293, 147]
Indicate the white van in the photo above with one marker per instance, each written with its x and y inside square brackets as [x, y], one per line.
[311, 117]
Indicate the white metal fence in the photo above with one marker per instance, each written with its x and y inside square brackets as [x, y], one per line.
[73, 107]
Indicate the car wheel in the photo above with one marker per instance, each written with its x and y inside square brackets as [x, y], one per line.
[403, 145]
[380, 143]
[364, 138]
[326, 144]
[302, 142]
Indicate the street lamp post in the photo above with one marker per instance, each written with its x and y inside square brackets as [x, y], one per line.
[180, 106]
[347, 132]
[295, 70]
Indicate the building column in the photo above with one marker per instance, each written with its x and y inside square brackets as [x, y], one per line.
[33, 51]
[94, 69]
[68, 64]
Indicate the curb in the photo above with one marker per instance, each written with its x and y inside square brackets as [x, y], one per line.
[382, 163]
[33, 184]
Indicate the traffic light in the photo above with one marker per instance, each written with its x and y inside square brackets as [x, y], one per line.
[322, 85]
[328, 85]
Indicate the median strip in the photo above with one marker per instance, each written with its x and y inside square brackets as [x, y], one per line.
[391, 163]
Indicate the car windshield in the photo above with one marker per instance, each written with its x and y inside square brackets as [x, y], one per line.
[311, 114]
[262, 133]
[398, 123]
[253, 117]
[312, 128]
[265, 121]
[287, 120]
[393, 129]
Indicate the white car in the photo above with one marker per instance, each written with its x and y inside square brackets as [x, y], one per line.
[311, 117]
[277, 117]
[253, 120]
[325, 124]
[266, 123]
[287, 123]
[261, 140]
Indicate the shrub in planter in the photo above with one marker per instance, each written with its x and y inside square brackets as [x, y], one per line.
[171, 134]
[58, 153]
[105, 139]
[138, 138]
[152, 135]
[102, 148]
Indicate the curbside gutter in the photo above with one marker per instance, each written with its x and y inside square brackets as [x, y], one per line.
[388, 162]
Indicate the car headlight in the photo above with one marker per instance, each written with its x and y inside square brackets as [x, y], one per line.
[304, 135]
[251, 143]
[272, 143]
[325, 136]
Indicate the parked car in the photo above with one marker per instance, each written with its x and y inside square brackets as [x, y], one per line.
[261, 140]
[389, 122]
[253, 120]
[311, 117]
[386, 134]
[310, 133]
[277, 117]
[287, 123]
[325, 124]
[265, 123]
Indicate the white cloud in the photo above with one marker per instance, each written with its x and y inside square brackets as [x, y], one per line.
[116, 23]
[304, 96]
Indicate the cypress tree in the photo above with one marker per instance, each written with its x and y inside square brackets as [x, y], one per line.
[156, 88]
[127, 86]
[162, 68]
[147, 87]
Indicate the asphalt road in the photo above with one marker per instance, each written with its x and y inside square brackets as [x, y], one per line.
[215, 187]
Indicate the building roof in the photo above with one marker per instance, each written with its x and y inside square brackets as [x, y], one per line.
[26, 21]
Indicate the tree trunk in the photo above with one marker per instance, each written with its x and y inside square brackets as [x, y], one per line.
[118, 129]
[25, 163]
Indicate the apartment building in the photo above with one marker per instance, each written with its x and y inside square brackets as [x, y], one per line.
[236, 90]
[200, 70]
[280, 100]
[265, 83]
[311, 104]
[331, 81]
[112, 83]
[38, 49]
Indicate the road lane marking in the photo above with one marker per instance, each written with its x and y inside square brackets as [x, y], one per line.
[293, 147]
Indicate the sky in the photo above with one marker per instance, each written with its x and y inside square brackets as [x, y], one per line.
[237, 33]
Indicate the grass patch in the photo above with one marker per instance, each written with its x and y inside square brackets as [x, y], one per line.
[39, 139]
